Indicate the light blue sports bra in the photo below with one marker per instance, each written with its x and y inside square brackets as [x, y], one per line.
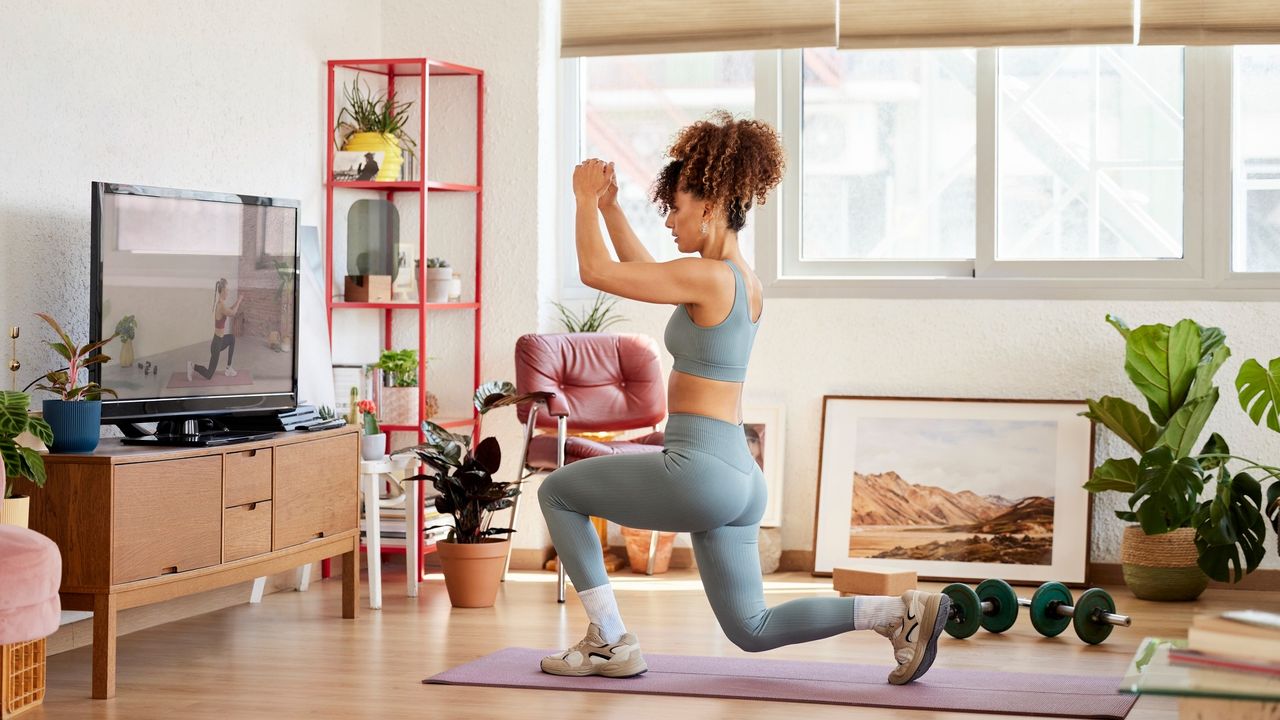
[718, 352]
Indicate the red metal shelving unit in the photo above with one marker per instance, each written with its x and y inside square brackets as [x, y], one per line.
[419, 70]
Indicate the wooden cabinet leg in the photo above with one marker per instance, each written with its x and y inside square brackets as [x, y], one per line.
[104, 646]
[351, 579]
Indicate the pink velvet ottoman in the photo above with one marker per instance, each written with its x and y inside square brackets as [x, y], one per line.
[30, 572]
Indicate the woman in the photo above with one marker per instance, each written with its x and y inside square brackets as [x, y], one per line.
[221, 338]
[705, 480]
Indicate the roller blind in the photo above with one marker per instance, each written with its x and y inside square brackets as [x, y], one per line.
[984, 23]
[1210, 22]
[634, 27]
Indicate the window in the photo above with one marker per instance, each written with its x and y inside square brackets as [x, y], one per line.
[1256, 163]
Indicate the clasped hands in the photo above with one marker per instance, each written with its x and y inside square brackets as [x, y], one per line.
[594, 181]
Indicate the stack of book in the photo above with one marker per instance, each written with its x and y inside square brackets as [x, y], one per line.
[435, 525]
[1237, 641]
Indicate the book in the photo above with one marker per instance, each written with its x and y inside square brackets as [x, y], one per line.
[1197, 659]
[1213, 641]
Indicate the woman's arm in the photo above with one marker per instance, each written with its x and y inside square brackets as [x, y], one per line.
[625, 242]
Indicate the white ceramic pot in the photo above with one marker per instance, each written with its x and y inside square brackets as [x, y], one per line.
[373, 447]
[438, 280]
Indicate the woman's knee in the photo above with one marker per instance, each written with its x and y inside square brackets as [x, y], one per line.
[746, 638]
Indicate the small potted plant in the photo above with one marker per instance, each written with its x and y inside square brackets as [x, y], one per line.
[75, 416]
[373, 442]
[372, 123]
[439, 278]
[126, 330]
[19, 461]
[400, 388]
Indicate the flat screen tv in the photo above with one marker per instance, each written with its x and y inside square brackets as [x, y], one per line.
[201, 289]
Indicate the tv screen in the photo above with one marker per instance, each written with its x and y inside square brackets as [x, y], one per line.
[200, 289]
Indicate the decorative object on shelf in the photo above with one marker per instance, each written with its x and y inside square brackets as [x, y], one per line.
[373, 248]
[372, 123]
[399, 386]
[1173, 369]
[596, 319]
[357, 166]
[126, 329]
[765, 428]
[373, 442]
[350, 383]
[954, 488]
[326, 413]
[455, 288]
[439, 274]
[367, 288]
[637, 542]
[14, 364]
[19, 460]
[75, 417]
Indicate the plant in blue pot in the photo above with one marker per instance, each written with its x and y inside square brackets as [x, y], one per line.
[75, 416]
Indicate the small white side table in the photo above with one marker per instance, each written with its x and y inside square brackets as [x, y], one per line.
[372, 473]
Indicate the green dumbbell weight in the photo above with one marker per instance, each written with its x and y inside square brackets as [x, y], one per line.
[1003, 605]
[1093, 615]
[965, 616]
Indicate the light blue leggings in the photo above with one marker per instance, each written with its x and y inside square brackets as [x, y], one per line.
[706, 483]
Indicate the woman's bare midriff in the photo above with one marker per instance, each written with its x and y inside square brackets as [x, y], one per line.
[703, 396]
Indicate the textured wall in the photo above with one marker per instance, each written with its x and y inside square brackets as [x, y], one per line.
[222, 96]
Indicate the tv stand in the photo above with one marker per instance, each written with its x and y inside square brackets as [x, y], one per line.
[190, 432]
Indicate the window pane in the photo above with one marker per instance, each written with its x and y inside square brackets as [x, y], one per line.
[632, 107]
[889, 160]
[1089, 147]
[1256, 190]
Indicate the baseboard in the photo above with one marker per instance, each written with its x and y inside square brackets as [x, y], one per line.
[1113, 574]
[79, 634]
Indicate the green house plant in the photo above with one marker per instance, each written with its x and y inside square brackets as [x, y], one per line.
[126, 330]
[75, 416]
[596, 319]
[474, 559]
[1258, 389]
[19, 461]
[1178, 541]
[400, 387]
[373, 123]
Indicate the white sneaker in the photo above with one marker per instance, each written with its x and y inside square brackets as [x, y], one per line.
[230, 372]
[915, 637]
[190, 367]
[593, 656]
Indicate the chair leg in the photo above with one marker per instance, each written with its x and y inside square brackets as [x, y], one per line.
[520, 476]
[562, 426]
[653, 553]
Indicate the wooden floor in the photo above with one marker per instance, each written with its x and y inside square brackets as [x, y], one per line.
[294, 657]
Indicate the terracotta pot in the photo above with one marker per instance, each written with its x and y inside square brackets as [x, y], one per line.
[472, 571]
[15, 511]
[1162, 567]
[399, 405]
[638, 549]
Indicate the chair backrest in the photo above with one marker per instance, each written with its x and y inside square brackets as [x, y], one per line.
[602, 381]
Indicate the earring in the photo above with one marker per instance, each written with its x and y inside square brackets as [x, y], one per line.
[704, 228]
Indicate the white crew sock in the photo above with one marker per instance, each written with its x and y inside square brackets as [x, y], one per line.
[602, 609]
[872, 612]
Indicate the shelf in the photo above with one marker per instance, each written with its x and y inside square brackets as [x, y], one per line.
[405, 305]
[406, 67]
[405, 186]
[446, 422]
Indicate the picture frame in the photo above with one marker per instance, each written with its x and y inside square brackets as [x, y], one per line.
[356, 166]
[765, 425]
[955, 489]
[346, 377]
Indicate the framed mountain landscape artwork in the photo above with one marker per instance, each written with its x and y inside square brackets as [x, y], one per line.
[955, 489]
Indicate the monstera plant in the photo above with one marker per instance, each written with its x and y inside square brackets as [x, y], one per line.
[1173, 368]
[1258, 388]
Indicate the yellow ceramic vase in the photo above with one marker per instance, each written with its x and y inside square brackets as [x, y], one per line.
[387, 143]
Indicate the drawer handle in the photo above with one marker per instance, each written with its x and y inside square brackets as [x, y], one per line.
[169, 570]
[252, 507]
[251, 453]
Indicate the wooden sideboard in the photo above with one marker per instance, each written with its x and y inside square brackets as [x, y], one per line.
[138, 525]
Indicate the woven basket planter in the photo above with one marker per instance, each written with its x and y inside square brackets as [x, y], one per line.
[1162, 567]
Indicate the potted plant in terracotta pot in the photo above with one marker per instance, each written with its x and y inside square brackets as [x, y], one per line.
[76, 414]
[1178, 542]
[400, 387]
[372, 123]
[373, 442]
[19, 460]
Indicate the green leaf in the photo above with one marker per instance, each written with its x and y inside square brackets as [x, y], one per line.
[1162, 362]
[1208, 367]
[1119, 325]
[1216, 445]
[1125, 420]
[1259, 390]
[32, 465]
[1167, 490]
[1127, 516]
[13, 412]
[1114, 474]
[1230, 528]
[1186, 425]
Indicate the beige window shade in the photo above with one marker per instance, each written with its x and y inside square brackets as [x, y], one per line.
[1210, 22]
[984, 23]
[635, 27]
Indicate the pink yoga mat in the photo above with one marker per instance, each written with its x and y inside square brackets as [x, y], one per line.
[179, 379]
[977, 691]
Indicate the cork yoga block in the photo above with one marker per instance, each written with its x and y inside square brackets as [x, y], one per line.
[873, 582]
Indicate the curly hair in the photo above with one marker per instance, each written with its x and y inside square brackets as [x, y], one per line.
[732, 163]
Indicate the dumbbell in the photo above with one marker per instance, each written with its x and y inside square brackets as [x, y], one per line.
[994, 607]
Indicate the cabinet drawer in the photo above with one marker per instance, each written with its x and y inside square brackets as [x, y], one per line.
[246, 477]
[246, 531]
[315, 490]
[168, 517]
